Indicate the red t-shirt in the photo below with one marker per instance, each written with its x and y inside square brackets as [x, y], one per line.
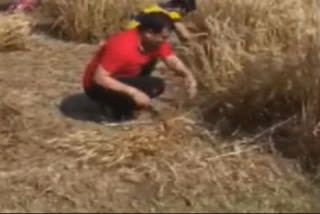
[121, 56]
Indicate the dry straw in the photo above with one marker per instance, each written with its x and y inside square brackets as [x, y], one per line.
[259, 60]
[180, 165]
[255, 53]
[84, 20]
[15, 31]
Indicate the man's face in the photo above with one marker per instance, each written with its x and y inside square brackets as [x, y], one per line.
[153, 40]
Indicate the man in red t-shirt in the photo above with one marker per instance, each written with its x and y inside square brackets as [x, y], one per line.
[119, 75]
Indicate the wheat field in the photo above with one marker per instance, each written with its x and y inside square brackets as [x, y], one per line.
[248, 143]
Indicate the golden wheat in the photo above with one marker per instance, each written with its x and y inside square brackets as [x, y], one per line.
[84, 20]
[15, 30]
[259, 57]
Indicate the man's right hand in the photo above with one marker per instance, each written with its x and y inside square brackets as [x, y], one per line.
[191, 85]
[141, 98]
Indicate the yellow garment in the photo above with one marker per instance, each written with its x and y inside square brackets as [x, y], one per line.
[151, 9]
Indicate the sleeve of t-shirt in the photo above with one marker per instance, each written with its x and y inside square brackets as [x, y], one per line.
[111, 58]
[165, 50]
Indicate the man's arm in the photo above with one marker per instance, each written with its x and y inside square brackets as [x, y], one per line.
[103, 78]
[174, 63]
[182, 31]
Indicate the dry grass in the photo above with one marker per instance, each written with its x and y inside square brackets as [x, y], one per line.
[259, 59]
[50, 163]
[173, 165]
[266, 34]
[182, 162]
[15, 30]
[84, 20]
[156, 169]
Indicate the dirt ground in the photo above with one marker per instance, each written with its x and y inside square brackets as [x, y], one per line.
[55, 157]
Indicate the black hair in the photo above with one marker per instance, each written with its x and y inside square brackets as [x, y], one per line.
[154, 22]
[186, 5]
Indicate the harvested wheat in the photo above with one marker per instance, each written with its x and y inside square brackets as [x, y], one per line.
[15, 30]
[86, 20]
[256, 54]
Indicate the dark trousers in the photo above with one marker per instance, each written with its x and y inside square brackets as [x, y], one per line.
[122, 105]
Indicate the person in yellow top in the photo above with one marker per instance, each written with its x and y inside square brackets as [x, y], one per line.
[175, 9]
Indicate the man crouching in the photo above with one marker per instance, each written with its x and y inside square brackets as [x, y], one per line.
[119, 75]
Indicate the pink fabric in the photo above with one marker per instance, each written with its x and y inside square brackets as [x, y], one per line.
[24, 5]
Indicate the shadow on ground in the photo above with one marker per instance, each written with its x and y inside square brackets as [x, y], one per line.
[80, 107]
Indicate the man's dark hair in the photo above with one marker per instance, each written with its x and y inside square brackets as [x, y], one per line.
[154, 22]
[186, 5]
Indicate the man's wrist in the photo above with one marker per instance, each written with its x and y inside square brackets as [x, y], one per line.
[131, 92]
[190, 77]
[188, 73]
